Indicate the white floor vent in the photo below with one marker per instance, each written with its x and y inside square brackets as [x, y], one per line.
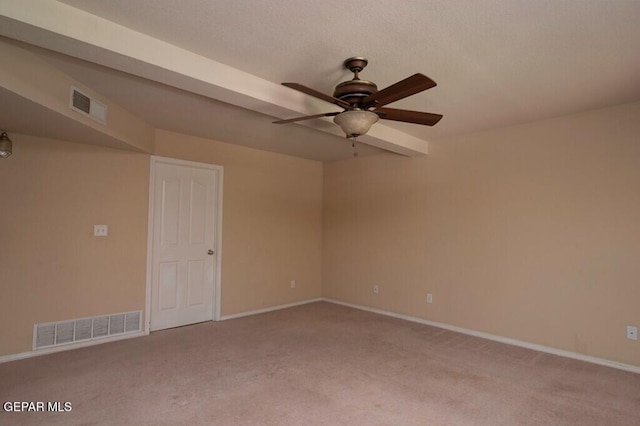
[51, 334]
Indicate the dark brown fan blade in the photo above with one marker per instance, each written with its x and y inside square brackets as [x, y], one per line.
[407, 87]
[306, 117]
[416, 117]
[316, 94]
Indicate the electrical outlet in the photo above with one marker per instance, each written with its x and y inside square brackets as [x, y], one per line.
[292, 284]
[100, 230]
[632, 332]
[429, 298]
[376, 289]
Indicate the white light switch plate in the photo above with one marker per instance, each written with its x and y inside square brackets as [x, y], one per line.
[100, 230]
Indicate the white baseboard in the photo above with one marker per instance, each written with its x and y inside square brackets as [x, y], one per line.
[508, 341]
[71, 346]
[269, 309]
[30, 354]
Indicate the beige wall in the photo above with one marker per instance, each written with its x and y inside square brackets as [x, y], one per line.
[53, 192]
[529, 232]
[51, 266]
[272, 221]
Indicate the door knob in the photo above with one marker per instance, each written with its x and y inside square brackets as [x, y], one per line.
[210, 252]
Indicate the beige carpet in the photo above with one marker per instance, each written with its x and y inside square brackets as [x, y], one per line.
[318, 364]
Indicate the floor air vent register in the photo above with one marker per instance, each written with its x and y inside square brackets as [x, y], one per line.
[53, 334]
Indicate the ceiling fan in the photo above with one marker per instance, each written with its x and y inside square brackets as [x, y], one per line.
[363, 103]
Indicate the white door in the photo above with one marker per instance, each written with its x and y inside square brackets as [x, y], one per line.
[183, 260]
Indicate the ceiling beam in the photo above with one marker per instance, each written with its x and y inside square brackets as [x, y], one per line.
[65, 29]
[35, 81]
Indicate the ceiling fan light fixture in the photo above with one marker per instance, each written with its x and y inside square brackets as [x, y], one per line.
[355, 122]
[5, 145]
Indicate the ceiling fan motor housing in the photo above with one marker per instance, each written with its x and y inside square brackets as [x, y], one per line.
[354, 91]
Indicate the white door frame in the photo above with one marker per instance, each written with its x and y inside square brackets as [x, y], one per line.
[217, 279]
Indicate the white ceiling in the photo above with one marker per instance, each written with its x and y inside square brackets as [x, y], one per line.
[496, 63]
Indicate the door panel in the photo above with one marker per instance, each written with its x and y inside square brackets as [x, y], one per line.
[183, 271]
[196, 283]
[170, 212]
[198, 207]
[168, 289]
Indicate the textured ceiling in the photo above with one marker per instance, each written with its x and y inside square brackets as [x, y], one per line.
[496, 63]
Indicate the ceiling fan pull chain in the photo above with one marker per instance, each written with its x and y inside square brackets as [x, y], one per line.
[355, 147]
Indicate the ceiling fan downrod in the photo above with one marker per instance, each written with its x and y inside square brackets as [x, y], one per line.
[355, 65]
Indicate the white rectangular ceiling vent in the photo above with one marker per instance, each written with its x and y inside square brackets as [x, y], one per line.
[83, 104]
[51, 334]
